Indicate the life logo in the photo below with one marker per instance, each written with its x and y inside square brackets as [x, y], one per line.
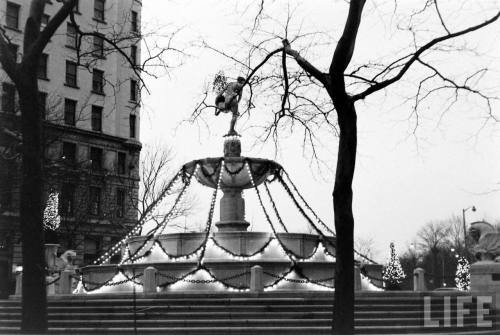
[459, 311]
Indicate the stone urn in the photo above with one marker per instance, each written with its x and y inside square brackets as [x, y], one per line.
[51, 255]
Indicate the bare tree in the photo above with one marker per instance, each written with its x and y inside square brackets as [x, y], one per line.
[345, 84]
[156, 174]
[433, 237]
[24, 75]
[456, 238]
[365, 246]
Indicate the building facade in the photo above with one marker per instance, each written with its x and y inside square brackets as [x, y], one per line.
[89, 94]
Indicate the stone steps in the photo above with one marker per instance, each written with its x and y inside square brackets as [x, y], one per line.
[247, 313]
[248, 331]
[264, 312]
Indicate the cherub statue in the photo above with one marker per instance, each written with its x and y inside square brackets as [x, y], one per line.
[227, 101]
[487, 240]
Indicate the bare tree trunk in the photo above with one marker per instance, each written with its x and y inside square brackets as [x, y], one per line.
[436, 279]
[34, 299]
[343, 318]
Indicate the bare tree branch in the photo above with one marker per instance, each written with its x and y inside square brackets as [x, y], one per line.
[383, 84]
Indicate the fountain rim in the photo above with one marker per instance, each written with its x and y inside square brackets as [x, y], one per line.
[238, 159]
[212, 162]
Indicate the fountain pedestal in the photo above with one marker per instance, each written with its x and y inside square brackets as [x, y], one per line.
[232, 211]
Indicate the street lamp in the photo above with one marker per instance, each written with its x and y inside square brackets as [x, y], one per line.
[473, 208]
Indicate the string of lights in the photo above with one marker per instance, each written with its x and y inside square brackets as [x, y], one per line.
[287, 188]
[301, 210]
[53, 281]
[374, 280]
[211, 214]
[153, 234]
[278, 278]
[261, 249]
[137, 228]
[274, 207]
[109, 282]
[182, 256]
[316, 216]
[237, 170]
[133, 278]
[287, 251]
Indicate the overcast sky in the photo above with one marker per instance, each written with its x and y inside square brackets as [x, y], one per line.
[401, 181]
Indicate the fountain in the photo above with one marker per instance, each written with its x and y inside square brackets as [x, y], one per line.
[230, 257]
[223, 259]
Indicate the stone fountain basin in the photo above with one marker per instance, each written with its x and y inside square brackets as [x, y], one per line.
[180, 244]
[234, 273]
[136, 242]
[302, 245]
[235, 174]
[240, 243]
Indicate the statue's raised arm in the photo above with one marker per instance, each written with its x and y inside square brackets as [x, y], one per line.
[227, 101]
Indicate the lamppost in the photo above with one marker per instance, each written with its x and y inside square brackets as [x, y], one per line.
[473, 208]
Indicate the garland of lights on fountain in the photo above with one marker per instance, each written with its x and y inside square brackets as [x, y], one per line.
[222, 260]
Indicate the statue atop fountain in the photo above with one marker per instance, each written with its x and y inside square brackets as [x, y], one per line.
[227, 102]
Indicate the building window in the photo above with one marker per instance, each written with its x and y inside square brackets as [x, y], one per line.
[42, 104]
[67, 203]
[96, 118]
[14, 48]
[122, 160]
[134, 22]
[12, 15]
[8, 98]
[95, 201]
[96, 158]
[98, 81]
[133, 90]
[132, 126]
[71, 74]
[99, 10]
[69, 112]
[120, 203]
[71, 36]
[69, 152]
[98, 50]
[133, 54]
[91, 247]
[42, 66]
[45, 21]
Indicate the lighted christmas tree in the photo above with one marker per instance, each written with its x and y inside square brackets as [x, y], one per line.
[393, 273]
[462, 276]
[51, 218]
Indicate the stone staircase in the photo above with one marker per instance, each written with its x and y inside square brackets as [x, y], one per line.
[246, 313]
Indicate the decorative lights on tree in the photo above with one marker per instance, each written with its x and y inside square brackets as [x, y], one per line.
[51, 218]
[462, 276]
[393, 273]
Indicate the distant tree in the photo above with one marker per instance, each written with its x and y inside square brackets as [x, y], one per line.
[366, 247]
[51, 217]
[393, 274]
[432, 238]
[462, 276]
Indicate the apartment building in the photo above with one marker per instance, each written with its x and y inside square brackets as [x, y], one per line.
[89, 93]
